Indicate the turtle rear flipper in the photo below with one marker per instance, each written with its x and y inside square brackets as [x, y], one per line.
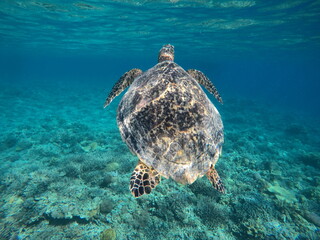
[204, 81]
[124, 82]
[215, 179]
[143, 180]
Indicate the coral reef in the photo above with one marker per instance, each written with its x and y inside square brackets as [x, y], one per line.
[66, 178]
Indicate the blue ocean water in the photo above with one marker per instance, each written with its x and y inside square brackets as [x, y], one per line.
[64, 170]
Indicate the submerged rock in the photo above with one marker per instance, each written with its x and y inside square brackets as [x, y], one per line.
[311, 159]
[107, 180]
[109, 234]
[107, 205]
[88, 146]
[113, 166]
[313, 218]
[295, 130]
[281, 193]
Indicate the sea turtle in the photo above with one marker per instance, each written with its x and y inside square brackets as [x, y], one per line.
[167, 120]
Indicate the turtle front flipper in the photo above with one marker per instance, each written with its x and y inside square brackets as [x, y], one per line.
[204, 81]
[215, 179]
[143, 180]
[125, 81]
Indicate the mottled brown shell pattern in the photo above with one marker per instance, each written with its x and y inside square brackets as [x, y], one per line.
[167, 120]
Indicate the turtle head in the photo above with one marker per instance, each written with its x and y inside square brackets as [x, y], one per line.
[166, 53]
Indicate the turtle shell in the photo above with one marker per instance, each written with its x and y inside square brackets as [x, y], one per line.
[167, 120]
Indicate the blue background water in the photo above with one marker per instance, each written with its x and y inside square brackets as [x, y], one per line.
[59, 60]
[268, 49]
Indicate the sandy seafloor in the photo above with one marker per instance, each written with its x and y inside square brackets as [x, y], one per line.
[65, 173]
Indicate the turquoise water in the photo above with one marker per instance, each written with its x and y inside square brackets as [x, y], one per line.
[64, 170]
